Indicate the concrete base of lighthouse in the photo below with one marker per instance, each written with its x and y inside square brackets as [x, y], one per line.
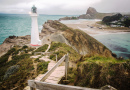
[35, 41]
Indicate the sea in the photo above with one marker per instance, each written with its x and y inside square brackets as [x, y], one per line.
[20, 25]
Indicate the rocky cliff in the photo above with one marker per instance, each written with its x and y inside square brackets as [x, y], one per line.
[78, 40]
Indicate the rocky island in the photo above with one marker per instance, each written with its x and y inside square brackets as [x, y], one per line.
[94, 65]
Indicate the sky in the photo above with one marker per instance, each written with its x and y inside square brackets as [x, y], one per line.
[63, 7]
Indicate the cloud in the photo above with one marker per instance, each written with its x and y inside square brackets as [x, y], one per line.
[113, 6]
[63, 7]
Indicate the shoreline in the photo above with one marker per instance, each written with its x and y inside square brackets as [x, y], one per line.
[91, 27]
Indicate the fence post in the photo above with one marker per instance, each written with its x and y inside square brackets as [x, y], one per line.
[66, 65]
[56, 57]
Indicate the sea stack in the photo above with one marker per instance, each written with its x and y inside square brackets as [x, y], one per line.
[35, 41]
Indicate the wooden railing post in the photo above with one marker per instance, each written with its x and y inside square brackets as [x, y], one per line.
[66, 65]
[56, 57]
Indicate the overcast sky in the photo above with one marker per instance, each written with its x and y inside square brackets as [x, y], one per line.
[63, 7]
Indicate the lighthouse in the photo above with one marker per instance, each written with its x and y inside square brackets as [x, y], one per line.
[35, 41]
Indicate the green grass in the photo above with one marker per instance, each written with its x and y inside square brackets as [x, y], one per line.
[42, 67]
[55, 45]
[42, 48]
[100, 59]
[61, 49]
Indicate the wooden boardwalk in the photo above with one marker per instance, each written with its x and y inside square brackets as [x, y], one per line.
[56, 76]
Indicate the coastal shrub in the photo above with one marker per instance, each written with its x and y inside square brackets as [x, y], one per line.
[55, 45]
[10, 71]
[24, 47]
[16, 52]
[98, 71]
[4, 58]
[53, 57]
[21, 75]
[42, 48]
[60, 54]
[61, 49]
[71, 75]
[36, 60]
[14, 61]
[42, 67]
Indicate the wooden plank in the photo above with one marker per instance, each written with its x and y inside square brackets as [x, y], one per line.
[50, 71]
[50, 86]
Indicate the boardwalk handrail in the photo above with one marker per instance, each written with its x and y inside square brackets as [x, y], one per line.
[50, 86]
[47, 74]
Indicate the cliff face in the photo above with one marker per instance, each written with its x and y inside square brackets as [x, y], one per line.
[78, 40]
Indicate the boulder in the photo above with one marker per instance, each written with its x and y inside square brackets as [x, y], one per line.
[11, 70]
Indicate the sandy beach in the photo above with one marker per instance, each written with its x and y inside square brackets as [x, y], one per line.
[91, 27]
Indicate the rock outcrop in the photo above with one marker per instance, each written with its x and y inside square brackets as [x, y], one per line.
[13, 41]
[91, 11]
[90, 14]
[93, 14]
[78, 40]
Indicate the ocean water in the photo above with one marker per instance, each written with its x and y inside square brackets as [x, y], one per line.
[118, 43]
[20, 24]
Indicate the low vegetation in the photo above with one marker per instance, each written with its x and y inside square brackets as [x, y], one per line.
[42, 48]
[98, 71]
[61, 49]
[42, 67]
[15, 72]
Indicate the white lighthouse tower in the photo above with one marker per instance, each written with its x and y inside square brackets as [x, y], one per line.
[35, 41]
